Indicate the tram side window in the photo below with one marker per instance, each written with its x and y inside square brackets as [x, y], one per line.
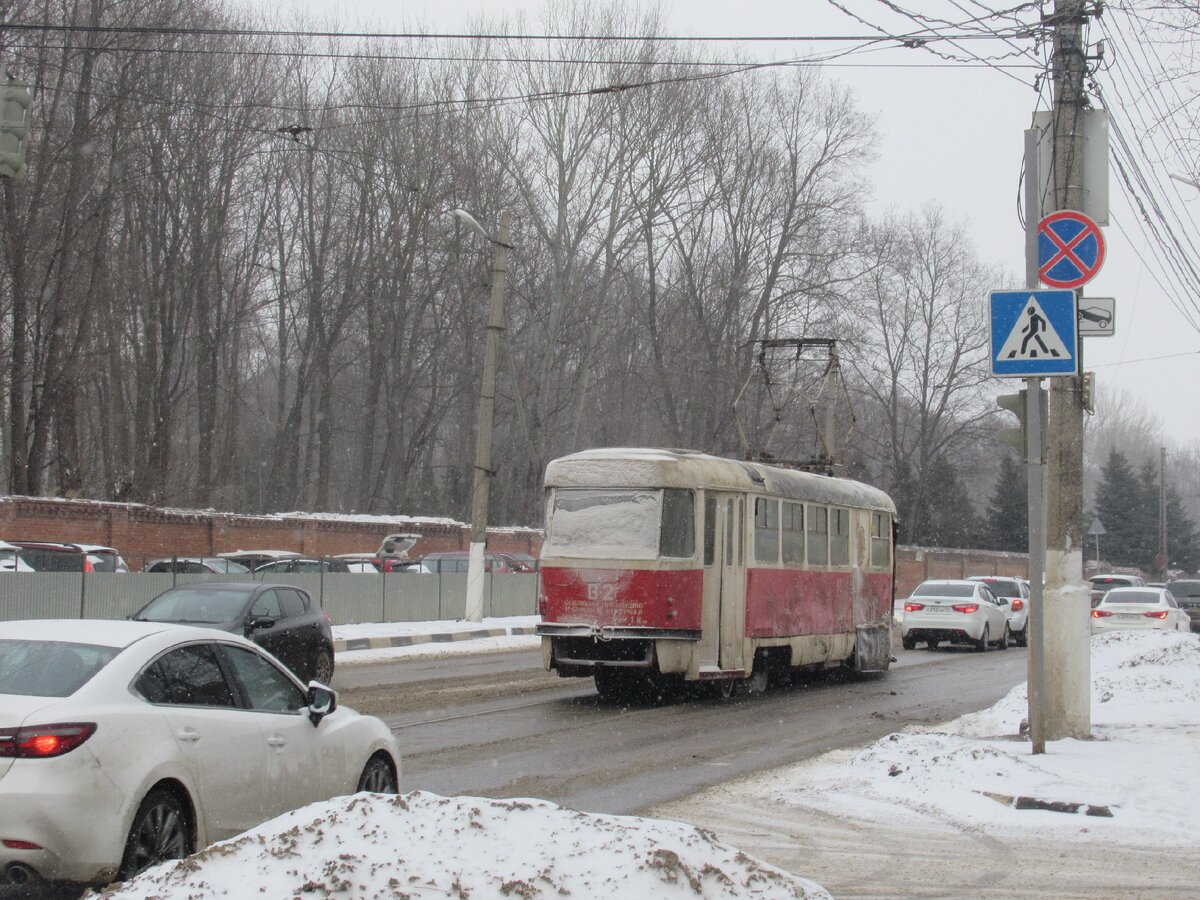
[793, 534]
[839, 537]
[818, 535]
[710, 530]
[881, 540]
[677, 534]
[766, 530]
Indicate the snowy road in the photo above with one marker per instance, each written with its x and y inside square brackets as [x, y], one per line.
[523, 732]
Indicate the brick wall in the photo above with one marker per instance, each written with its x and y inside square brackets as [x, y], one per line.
[143, 533]
[916, 564]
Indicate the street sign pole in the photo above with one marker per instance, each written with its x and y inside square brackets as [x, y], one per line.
[1035, 474]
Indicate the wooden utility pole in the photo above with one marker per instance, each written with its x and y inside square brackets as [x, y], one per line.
[1066, 693]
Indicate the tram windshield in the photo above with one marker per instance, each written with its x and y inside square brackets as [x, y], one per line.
[620, 524]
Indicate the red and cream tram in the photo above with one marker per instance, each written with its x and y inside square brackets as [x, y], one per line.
[672, 565]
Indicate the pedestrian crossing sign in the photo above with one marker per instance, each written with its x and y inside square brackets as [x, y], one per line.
[1034, 333]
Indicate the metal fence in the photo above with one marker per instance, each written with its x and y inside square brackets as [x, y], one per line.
[350, 599]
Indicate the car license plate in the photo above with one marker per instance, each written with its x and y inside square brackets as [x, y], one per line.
[1127, 617]
[935, 609]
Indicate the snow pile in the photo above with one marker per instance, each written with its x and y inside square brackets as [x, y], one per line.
[424, 845]
[1131, 782]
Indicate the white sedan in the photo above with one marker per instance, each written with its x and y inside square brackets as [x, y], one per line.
[124, 744]
[1127, 608]
[963, 612]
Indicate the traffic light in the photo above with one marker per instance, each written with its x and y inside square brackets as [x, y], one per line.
[1087, 391]
[1017, 404]
[15, 100]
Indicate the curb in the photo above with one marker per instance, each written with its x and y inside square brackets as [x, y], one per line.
[412, 640]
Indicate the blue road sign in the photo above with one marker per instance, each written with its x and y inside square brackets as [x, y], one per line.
[1034, 333]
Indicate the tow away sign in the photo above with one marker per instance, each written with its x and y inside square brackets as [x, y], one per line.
[1034, 334]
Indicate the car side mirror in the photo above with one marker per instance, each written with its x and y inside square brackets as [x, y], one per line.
[257, 622]
[322, 701]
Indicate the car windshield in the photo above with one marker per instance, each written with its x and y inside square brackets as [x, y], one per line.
[620, 524]
[1002, 587]
[1184, 588]
[933, 589]
[196, 606]
[229, 566]
[103, 562]
[49, 668]
[1131, 597]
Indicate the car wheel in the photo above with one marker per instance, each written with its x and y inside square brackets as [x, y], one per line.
[161, 831]
[985, 640]
[1002, 644]
[1022, 637]
[377, 777]
[323, 667]
[932, 643]
[909, 643]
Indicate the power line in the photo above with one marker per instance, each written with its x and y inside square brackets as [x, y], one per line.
[469, 36]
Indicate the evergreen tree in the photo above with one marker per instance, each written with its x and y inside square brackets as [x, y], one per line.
[1119, 505]
[1146, 516]
[950, 520]
[1006, 520]
[1183, 544]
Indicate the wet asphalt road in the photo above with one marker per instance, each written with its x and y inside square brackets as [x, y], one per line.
[514, 730]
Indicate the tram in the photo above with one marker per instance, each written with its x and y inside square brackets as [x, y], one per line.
[664, 567]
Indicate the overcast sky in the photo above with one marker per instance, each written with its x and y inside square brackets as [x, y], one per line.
[950, 134]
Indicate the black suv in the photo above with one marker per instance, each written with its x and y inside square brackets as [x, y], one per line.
[282, 619]
[1186, 592]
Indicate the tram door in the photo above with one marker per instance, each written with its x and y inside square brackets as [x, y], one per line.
[724, 614]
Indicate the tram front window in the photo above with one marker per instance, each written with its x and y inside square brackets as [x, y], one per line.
[620, 524]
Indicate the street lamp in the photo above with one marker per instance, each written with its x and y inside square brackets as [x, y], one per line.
[481, 487]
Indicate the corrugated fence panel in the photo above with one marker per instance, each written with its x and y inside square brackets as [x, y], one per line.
[453, 601]
[40, 595]
[348, 598]
[514, 594]
[109, 595]
[412, 597]
[352, 599]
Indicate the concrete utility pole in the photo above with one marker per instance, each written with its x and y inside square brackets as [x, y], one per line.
[1066, 693]
[1035, 472]
[1163, 560]
[481, 491]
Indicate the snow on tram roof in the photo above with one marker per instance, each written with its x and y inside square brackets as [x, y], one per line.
[652, 467]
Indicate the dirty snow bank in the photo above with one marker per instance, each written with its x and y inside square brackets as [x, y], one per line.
[968, 773]
[424, 845]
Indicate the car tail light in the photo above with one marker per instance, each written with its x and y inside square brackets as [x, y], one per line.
[1100, 614]
[87, 565]
[20, 845]
[325, 616]
[1156, 614]
[44, 741]
[913, 607]
[1018, 605]
[965, 607]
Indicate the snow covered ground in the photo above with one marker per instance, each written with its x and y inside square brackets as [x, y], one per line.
[913, 794]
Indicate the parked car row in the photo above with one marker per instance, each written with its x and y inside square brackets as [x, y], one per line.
[983, 611]
[990, 610]
[51, 556]
[45, 556]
